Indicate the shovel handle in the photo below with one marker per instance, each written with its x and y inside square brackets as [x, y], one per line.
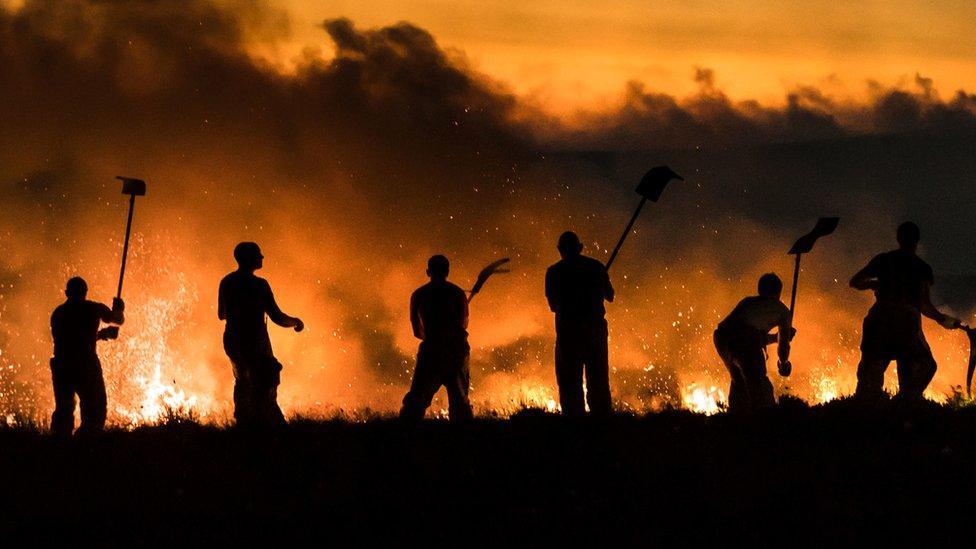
[796, 281]
[125, 247]
[623, 237]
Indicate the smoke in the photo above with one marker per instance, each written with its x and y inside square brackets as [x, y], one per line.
[356, 166]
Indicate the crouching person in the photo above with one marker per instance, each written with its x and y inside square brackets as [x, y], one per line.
[439, 316]
[741, 340]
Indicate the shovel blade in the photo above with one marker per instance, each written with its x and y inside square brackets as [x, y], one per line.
[652, 184]
[132, 186]
[825, 226]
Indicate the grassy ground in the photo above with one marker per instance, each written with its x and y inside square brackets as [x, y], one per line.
[828, 475]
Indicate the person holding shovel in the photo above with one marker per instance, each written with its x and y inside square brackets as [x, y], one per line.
[244, 300]
[741, 339]
[576, 288]
[75, 368]
[439, 317]
[893, 327]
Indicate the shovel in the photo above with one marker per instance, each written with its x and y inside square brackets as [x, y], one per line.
[492, 268]
[824, 227]
[132, 187]
[650, 188]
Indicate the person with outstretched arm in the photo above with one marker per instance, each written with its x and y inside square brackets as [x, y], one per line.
[893, 327]
[244, 301]
[75, 368]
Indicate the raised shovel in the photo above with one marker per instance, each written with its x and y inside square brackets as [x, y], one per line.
[132, 187]
[650, 188]
[824, 227]
[492, 268]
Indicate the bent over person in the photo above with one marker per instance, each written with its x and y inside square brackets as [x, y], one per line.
[741, 339]
[439, 317]
[243, 302]
[75, 368]
[893, 327]
[576, 288]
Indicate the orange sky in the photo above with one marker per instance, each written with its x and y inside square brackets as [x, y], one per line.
[572, 53]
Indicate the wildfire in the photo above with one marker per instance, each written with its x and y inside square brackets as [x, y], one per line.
[706, 400]
[149, 356]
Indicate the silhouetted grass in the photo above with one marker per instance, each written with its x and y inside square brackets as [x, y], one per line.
[796, 475]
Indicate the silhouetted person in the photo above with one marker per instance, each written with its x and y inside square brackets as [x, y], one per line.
[439, 316]
[893, 327]
[75, 368]
[244, 300]
[576, 288]
[741, 339]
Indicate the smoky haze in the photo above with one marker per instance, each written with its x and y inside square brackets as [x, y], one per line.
[356, 166]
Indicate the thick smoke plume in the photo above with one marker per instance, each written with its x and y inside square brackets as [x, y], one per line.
[356, 166]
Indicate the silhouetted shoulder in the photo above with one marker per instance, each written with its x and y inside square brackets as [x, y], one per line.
[592, 263]
[457, 290]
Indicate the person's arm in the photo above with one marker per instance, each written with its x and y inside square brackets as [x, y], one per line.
[930, 311]
[786, 333]
[278, 316]
[552, 295]
[115, 315]
[415, 321]
[607, 286]
[464, 311]
[866, 278]
[221, 302]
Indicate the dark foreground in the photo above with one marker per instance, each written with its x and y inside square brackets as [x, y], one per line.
[828, 475]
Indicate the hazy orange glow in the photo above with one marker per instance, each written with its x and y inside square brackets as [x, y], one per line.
[351, 170]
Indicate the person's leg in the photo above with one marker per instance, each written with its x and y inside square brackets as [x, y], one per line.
[243, 407]
[265, 394]
[597, 370]
[752, 361]
[457, 383]
[569, 375]
[424, 385]
[91, 396]
[63, 418]
[874, 359]
[916, 367]
[738, 398]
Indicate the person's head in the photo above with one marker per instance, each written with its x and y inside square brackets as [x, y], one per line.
[438, 267]
[76, 288]
[248, 256]
[908, 236]
[770, 286]
[569, 244]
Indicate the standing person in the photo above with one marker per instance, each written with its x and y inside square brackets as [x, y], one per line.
[741, 338]
[243, 301]
[439, 317]
[75, 368]
[893, 327]
[576, 288]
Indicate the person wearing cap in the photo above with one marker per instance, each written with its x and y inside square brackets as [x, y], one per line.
[244, 302]
[576, 288]
[439, 317]
[741, 339]
[75, 368]
[893, 327]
